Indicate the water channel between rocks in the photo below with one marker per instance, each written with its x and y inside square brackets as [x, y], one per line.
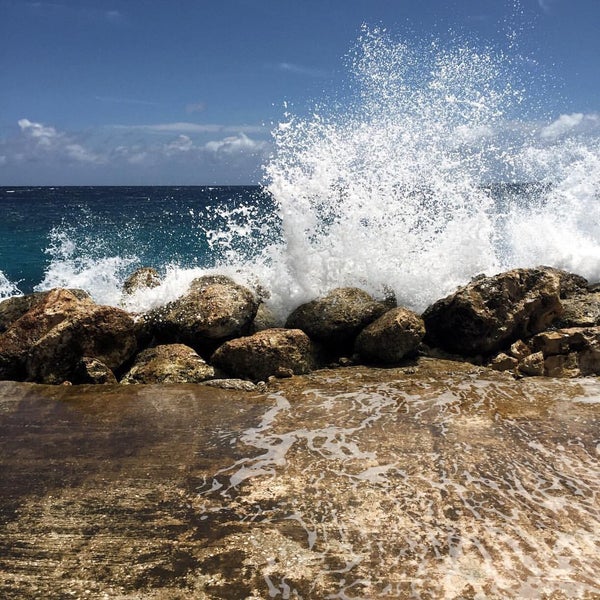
[437, 480]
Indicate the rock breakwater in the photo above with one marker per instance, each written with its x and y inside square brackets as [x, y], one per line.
[538, 321]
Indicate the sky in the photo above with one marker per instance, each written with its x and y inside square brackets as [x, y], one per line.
[187, 92]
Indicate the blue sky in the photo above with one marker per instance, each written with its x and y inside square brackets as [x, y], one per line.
[187, 91]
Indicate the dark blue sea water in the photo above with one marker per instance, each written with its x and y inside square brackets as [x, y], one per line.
[41, 227]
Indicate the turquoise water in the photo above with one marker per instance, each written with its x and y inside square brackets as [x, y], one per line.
[44, 228]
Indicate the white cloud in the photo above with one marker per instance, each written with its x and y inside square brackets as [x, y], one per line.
[235, 145]
[573, 123]
[40, 138]
[42, 134]
[182, 144]
[79, 153]
[205, 154]
[183, 127]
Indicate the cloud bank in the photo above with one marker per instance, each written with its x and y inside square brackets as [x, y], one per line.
[187, 153]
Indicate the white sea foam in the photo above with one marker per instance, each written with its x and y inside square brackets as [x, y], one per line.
[7, 287]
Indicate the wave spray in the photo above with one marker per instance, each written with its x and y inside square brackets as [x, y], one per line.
[398, 189]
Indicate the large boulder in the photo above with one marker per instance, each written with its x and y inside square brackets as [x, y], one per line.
[14, 308]
[394, 336]
[214, 309]
[490, 313]
[168, 363]
[337, 318]
[279, 352]
[45, 312]
[104, 333]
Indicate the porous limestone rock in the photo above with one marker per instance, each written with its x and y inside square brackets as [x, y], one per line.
[105, 333]
[279, 352]
[14, 308]
[570, 284]
[92, 370]
[490, 313]
[168, 363]
[392, 337]
[338, 317]
[569, 352]
[503, 362]
[214, 309]
[580, 311]
[145, 277]
[532, 364]
[46, 312]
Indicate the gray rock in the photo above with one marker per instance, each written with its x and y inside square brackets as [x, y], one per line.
[488, 314]
[392, 337]
[337, 318]
[169, 363]
[278, 352]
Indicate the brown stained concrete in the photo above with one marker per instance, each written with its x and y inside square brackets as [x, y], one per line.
[438, 480]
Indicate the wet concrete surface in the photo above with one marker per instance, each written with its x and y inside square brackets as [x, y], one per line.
[439, 480]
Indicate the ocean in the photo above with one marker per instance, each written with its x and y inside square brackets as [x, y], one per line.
[437, 167]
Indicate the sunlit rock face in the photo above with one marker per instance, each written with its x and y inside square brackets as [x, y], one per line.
[435, 480]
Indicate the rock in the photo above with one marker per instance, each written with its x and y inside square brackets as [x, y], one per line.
[578, 347]
[563, 341]
[570, 284]
[264, 319]
[532, 364]
[214, 309]
[503, 362]
[145, 277]
[270, 352]
[92, 370]
[580, 311]
[234, 384]
[488, 314]
[47, 311]
[14, 308]
[520, 350]
[337, 318]
[562, 365]
[169, 363]
[101, 332]
[392, 337]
